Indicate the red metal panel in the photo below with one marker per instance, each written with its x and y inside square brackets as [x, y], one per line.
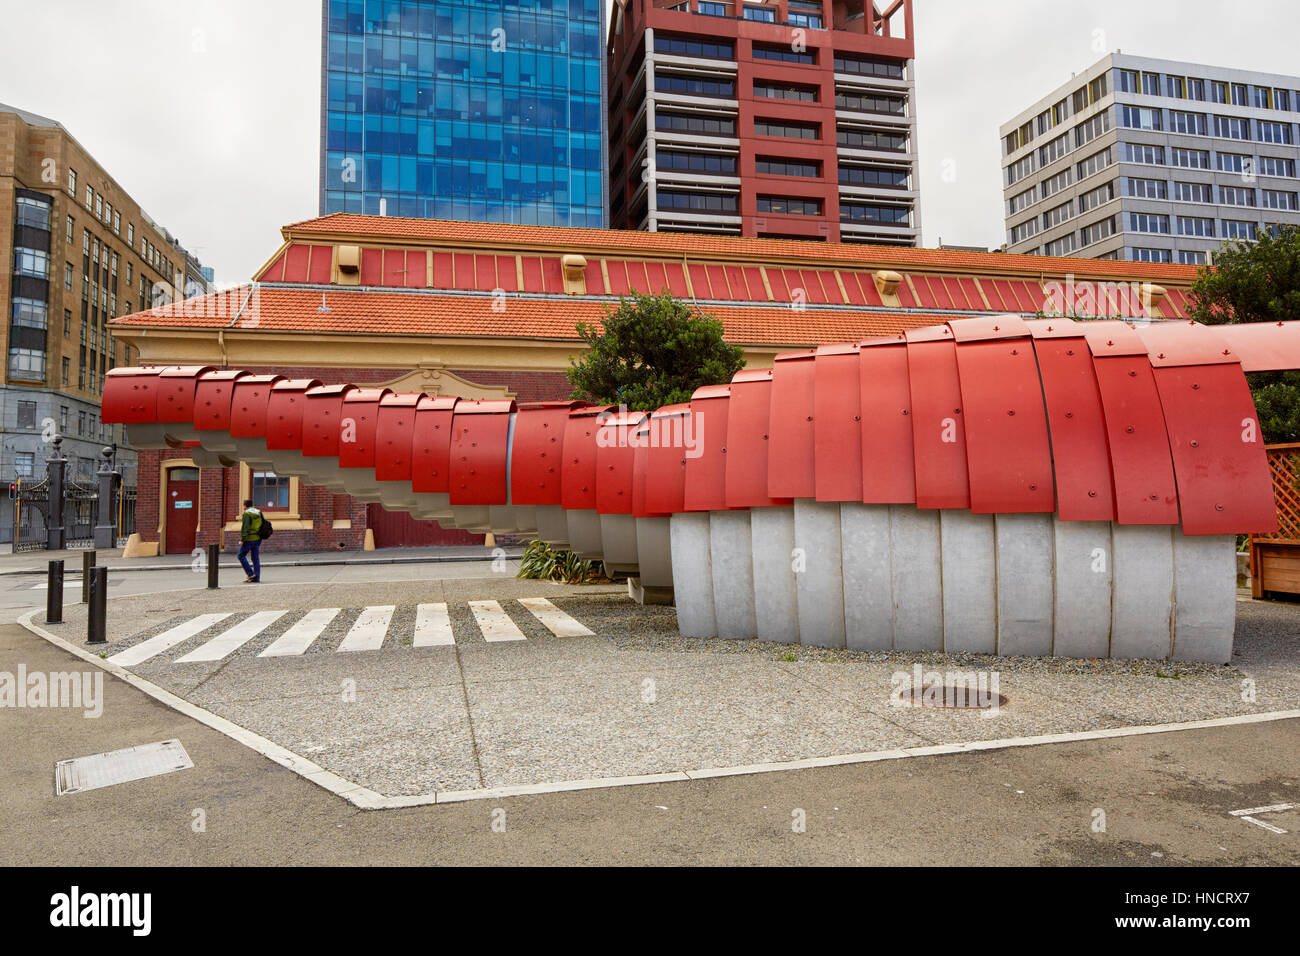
[395, 436]
[463, 266]
[1032, 298]
[1175, 304]
[736, 283]
[212, 398]
[485, 272]
[372, 267]
[532, 274]
[578, 476]
[718, 282]
[618, 277]
[442, 271]
[275, 271]
[854, 290]
[837, 437]
[360, 417]
[417, 269]
[676, 280]
[640, 463]
[1224, 483]
[295, 269]
[320, 420]
[867, 284]
[1109, 338]
[905, 296]
[656, 277]
[1009, 457]
[888, 461]
[938, 295]
[1185, 343]
[938, 429]
[636, 277]
[248, 408]
[706, 466]
[813, 285]
[665, 486]
[748, 414]
[700, 282]
[553, 274]
[480, 433]
[431, 445]
[1145, 492]
[321, 262]
[395, 268]
[1264, 347]
[284, 412]
[834, 294]
[130, 396]
[969, 291]
[780, 289]
[537, 455]
[1080, 451]
[754, 282]
[615, 462]
[998, 295]
[985, 327]
[507, 277]
[595, 278]
[790, 462]
[176, 387]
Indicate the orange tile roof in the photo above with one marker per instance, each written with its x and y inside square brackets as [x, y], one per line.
[353, 311]
[624, 242]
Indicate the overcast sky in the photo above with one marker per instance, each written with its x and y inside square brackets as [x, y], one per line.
[207, 111]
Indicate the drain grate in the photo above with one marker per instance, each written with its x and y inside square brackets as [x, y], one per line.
[119, 766]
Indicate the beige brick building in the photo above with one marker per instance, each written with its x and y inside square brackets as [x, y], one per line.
[77, 250]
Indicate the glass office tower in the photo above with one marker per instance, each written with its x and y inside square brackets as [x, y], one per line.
[481, 110]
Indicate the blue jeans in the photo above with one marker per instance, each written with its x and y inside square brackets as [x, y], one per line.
[254, 548]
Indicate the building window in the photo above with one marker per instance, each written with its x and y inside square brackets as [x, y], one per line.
[669, 159]
[1273, 166]
[1236, 196]
[1097, 197]
[874, 139]
[1151, 84]
[27, 415]
[24, 464]
[889, 176]
[1187, 257]
[1136, 117]
[1095, 163]
[1234, 163]
[1097, 231]
[1275, 132]
[697, 201]
[1239, 95]
[1276, 199]
[32, 212]
[1234, 229]
[1023, 231]
[710, 8]
[868, 66]
[1127, 81]
[787, 91]
[692, 123]
[1189, 123]
[1148, 188]
[67, 372]
[1060, 247]
[1176, 87]
[130, 235]
[1196, 90]
[72, 182]
[67, 322]
[1152, 255]
[789, 206]
[689, 46]
[1089, 130]
[1148, 155]
[1148, 222]
[760, 14]
[1193, 192]
[874, 212]
[767, 166]
[27, 364]
[1189, 158]
[696, 86]
[31, 262]
[1231, 127]
[782, 54]
[788, 129]
[1196, 226]
[270, 491]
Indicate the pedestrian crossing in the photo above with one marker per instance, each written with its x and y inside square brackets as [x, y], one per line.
[372, 630]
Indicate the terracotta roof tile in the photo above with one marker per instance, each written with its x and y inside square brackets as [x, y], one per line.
[391, 228]
[369, 312]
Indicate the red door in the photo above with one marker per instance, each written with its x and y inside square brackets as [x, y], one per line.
[182, 506]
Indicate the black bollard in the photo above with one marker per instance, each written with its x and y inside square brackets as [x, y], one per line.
[87, 563]
[54, 594]
[214, 562]
[96, 630]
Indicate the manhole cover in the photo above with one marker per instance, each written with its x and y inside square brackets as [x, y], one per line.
[950, 697]
[119, 766]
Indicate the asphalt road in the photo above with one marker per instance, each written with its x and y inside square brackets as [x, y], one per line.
[1166, 799]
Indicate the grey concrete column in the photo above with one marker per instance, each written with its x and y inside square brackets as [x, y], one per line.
[918, 578]
[776, 593]
[1143, 591]
[867, 567]
[692, 575]
[1024, 545]
[970, 583]
[1084, 566]
[821, 582]
[732, 559]
[1205, 597]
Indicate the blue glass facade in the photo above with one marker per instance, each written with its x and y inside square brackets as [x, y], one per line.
[481, 110]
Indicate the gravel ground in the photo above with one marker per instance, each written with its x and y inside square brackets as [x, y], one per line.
[638, 697]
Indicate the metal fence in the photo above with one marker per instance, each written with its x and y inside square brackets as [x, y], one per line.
[80, 515]
[29, 516]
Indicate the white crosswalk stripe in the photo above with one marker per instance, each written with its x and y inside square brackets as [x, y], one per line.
[432, 626]
[368, 632]
[227, 642]
[555, 620]
[166, 640]
[495, 623]
[302, 635]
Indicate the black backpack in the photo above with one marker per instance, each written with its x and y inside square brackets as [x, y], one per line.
[266, 530]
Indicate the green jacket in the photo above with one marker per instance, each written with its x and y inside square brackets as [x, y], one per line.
[251, 525]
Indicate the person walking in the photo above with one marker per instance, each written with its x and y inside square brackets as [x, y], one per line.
[250, 538]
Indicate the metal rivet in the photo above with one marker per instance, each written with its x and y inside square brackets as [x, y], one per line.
[1092, 494]
[1196, 444]
[1130, 429]
[1218, 507]
[1012, 413]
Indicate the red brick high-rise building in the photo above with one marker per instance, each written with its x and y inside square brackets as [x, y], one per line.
[784, 119]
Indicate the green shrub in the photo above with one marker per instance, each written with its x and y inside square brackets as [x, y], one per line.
[541, 562]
